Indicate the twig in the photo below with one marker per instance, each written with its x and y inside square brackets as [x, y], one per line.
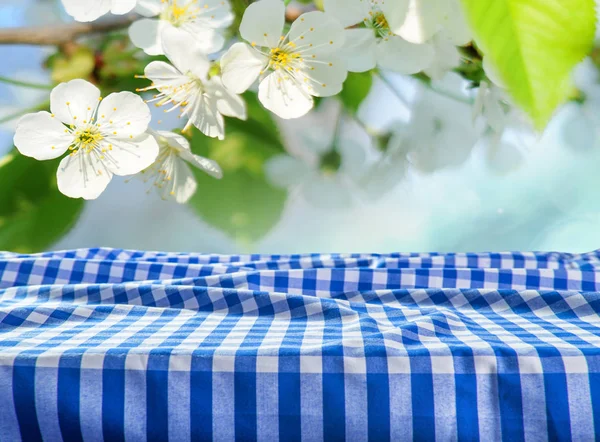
[428, 85]
[61, 34]
[22, 112]
[26, 84]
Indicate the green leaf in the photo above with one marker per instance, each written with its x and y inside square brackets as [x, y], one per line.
[238, 8]
[356, 89]
[33, 213]
[242, 204]
[534, 45]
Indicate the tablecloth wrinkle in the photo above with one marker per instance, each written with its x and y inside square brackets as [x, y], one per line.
[108, 344]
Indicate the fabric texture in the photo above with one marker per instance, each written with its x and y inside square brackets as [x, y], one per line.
[115, 345]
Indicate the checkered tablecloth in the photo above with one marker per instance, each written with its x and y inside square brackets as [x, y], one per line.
[119, 345]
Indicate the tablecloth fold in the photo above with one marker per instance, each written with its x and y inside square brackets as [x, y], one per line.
[104, 344]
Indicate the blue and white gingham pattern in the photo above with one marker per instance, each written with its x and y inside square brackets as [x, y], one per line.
[119, 345]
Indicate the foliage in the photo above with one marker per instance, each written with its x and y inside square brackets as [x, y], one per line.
[356, 89]
[243, 203]
[534, 45]
[33, 213]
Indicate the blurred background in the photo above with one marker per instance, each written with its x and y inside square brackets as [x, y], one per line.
[407, 169]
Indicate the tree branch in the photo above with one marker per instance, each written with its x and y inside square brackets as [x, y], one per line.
[61, 34]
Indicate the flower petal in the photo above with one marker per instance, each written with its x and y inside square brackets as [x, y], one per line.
[421, 23]
[263, 22]
[446, 56]
[440, 134]
[162, 71]
[240, 67]
[348, 12]
[325, 77]
[216, 14]
[206, 39]
[149, 8]
[359, 50]
[124, 113]
[206, 165]
[228, 103]
[285, 171]
[180, 143]
[41, 136]
[87, 10]
[206, 117]
[354, 156]
[165, 77]
[493, 111]
[75, 101]
[184, 54]
[384, 176]
[284, 96]
[317, 32]
[129, 157]
[311, 137]
[120, 7]
[182, 185]
[171, 138]
[146, 35]
[399, 55]
[396, 12]
[454, 22]
[83, 175]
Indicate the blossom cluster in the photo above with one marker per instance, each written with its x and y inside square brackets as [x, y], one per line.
[205, 73]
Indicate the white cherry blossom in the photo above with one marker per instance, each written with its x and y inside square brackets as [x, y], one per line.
[326, 159]
[171, 174]
[201, 21]
[446, 56]
[103, 137]
[506, 133]
[293, 67]
[90, 10]
[582, 120]
[377, 43]
[185, 85]
[440, 133]
[425, 18]
[390, 167]
[492, 105]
